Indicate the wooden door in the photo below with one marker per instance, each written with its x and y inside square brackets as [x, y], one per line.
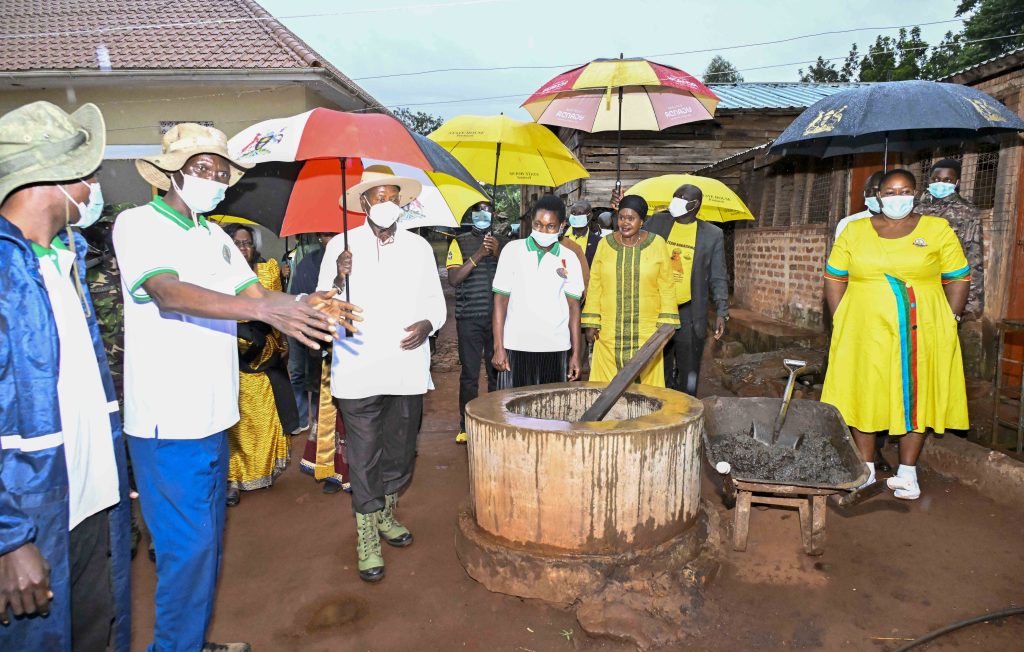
[862, 167]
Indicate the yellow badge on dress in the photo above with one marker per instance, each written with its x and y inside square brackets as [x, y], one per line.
[920, 243]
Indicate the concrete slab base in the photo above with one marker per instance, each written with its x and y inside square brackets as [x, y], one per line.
[647, 596]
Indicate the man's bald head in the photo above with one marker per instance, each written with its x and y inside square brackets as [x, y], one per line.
[689, 192]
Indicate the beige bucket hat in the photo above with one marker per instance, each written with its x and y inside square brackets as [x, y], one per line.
[41, 143]
[182, 142]
[382, 175]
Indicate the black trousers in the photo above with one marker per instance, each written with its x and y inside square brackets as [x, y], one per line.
[534, 368]
[92, 597]
[476, 342]
[381, 436]
[683, 354]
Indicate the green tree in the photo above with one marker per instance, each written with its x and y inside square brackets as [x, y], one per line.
[507, 202]
[419, 121]
[825, 71]
[720, 71]
[895, 59]
[988, 19]
[991, 28]
[945, 58]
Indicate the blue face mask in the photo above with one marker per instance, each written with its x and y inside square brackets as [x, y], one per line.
[872, 204]
[481, 219]
[941, 190]
[89, 213]
[897, 207]
[514, 228]
[578, 221]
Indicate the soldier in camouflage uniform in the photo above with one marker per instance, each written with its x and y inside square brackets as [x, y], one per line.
[105, 287]
[943, 199]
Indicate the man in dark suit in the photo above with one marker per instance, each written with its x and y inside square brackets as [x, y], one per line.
[698, 266]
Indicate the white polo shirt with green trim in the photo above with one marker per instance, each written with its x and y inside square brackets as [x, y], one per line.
[537, 284]
[180, 372]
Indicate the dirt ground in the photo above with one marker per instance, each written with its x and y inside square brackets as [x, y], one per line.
[891, 571]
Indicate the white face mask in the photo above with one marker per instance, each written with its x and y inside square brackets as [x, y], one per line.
[679, 206]
[544, 240]
[897, 207]
[578, 221]
[89, 213]
[200, 195]
[384, 214]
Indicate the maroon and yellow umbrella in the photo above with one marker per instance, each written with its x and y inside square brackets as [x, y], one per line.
[617, 94]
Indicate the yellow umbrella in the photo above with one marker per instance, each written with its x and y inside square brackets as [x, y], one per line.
[500, 150]
[720, 203]
[231, 219]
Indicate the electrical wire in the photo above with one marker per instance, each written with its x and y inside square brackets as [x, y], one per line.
[931, 636]
[779, 65]
[398, 105]
[673, 54]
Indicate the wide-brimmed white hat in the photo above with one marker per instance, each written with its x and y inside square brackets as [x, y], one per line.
[382, 175]
[182, 142]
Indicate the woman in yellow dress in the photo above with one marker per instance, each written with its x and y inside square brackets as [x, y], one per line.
[259, 448]
[896, 284]
[630, 295]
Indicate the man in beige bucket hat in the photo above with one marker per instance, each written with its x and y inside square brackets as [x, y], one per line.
[185, 286]
[380, 376]
[64, 512]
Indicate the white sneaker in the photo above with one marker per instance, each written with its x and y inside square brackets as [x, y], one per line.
[904, 487]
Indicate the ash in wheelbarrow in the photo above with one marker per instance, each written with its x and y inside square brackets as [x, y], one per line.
[824, 461]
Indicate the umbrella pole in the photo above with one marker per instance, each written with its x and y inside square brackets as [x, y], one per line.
[618, 145]
[494, 186]
[885, 154]
[344, 220]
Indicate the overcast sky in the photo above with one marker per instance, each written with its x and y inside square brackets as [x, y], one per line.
[387, 37]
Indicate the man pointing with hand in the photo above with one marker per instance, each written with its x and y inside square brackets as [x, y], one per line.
[185, 285]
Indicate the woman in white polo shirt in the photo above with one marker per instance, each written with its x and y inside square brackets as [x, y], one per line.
[537, 289]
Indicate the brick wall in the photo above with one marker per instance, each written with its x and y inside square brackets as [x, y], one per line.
[778, 272]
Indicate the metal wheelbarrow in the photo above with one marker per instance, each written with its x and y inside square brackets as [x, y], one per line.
[825, 463]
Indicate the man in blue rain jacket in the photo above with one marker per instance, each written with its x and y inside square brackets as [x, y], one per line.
[64, 512]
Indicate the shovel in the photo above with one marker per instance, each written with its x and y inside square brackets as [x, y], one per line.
[771, 437]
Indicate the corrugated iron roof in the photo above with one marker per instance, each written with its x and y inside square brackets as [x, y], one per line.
[776, 95]
[969, 69]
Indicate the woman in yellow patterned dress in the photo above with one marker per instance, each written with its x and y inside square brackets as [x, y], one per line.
[896, 284]
[629, 296]
[259, 448]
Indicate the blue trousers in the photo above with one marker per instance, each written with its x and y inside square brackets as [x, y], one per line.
[182, 486]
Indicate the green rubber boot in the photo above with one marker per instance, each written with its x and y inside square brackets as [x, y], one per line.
[371, 562]
[393, 532]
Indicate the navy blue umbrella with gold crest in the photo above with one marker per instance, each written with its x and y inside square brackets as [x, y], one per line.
[898, 116]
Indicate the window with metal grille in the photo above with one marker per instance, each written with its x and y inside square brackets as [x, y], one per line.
[984, 191]
[818, 203]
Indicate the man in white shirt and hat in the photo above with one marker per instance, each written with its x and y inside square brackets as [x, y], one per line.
[379, 376]
[185, 286]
